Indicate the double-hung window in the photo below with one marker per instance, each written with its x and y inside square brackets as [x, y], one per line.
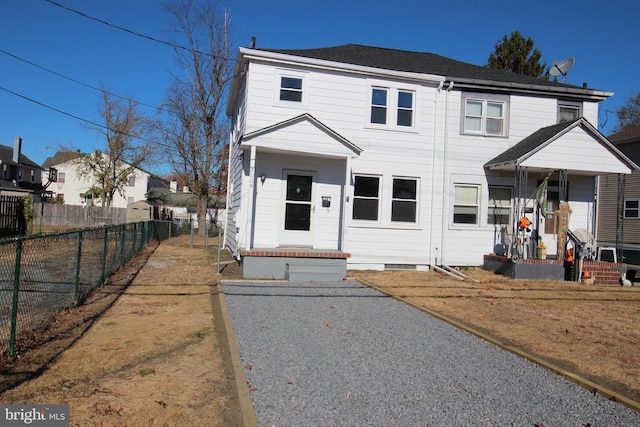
[366, 198]
[132, 181]
[290, 89]
[405, 108]
[466, 204]
[404, 202]
[392, 107]
[632, 208]
[484, 115]
[61, 176]
[379, 99]
[499, 209]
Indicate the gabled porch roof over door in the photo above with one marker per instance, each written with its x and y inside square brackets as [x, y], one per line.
[575, 147]
[305, 137]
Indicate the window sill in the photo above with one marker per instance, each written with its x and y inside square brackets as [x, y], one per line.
[386, 226]
[390, 128]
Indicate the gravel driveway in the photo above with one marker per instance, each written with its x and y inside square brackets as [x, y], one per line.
[341, 354]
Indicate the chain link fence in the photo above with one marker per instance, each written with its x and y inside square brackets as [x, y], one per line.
[42, 275]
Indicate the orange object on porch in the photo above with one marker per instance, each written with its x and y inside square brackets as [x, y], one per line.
[524, 222]
[569, 257]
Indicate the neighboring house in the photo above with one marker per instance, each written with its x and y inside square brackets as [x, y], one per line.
[180, 206]
[400, 159]
[19, 175]
[73, 187]
[619, 202]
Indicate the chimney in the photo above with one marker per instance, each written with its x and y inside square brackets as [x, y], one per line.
[253, 42]
[173, 186]
[17, 149]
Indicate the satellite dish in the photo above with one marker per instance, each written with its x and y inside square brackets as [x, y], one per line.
[561, 68]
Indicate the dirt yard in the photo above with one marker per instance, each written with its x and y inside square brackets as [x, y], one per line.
[148, 347]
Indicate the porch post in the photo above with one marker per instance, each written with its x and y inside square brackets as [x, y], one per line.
[252, 198]
[343, 204]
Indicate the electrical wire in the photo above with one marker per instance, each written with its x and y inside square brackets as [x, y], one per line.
[83, 119]
[102, 21]
[79, 82]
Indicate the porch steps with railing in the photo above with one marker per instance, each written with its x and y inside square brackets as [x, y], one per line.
[605, 273]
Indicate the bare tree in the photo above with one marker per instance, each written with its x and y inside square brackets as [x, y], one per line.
[196, 127]
[112, 168]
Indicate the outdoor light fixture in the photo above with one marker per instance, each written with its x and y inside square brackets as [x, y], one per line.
[263, 178]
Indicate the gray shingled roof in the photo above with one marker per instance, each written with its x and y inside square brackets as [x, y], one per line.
[416, 62]
[6, 155]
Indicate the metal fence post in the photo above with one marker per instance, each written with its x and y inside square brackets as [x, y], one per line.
[218, 250]
[122, 236]
[105, 248]
[14, 307]
[76, 293]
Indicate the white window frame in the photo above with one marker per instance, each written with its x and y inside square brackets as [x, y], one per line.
[404, 200]
[635, 209]
[5, 171]
[292, 75]
[392, 106]
[576, 106]
[61, 176]
[492, 206]
[33, 176]
[475, 205]
[378, 198]
[131, 181]
[485, 100]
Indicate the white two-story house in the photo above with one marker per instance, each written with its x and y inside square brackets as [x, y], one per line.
[399, 159]
[72, 186]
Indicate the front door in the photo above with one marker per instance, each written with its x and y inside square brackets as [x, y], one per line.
[299, 209]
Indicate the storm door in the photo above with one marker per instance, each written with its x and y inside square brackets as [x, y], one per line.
[299, 209]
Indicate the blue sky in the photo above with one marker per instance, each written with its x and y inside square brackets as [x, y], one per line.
[602, 36]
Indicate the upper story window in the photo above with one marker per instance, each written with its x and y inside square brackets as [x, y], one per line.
[466, 204]
[366, 197]
[405, 108]
[379, 105]
[290, 89]
[391, 107]
[33, 176]
[568, 111]
[132, 180]
[61, 176]
[485, 115]
[5, 171]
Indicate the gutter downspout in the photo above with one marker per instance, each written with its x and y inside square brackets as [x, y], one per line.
[226, 222]
[433, 260]
[445, 180]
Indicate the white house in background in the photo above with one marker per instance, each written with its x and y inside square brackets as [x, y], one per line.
[403, 159]
[72, 186]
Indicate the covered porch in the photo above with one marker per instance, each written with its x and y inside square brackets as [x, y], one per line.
[551, 230]
[295, 219]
